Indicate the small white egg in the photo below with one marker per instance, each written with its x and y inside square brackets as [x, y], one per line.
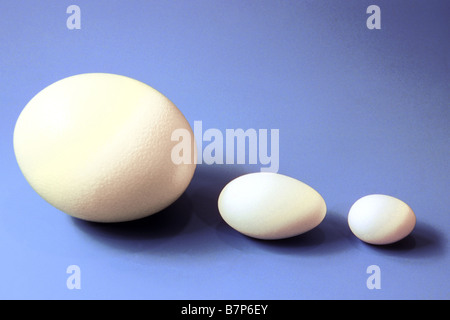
[98, 147]
[381, 219]
[267, 205]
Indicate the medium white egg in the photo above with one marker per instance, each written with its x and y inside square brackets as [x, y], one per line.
[381, 219]
[98, 147]
[267, 205]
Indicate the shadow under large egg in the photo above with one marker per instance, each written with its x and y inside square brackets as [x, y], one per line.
[152, 229]
[188, 225]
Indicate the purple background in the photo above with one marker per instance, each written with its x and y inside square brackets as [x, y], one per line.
[359, 111]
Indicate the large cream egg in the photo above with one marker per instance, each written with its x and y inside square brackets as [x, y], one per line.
[381, 219]
[98, 147]
[267, 205]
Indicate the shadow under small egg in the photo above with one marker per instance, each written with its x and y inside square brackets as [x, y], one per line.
[423, 242]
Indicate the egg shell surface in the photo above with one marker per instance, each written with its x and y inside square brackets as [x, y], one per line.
[98, 147]
[268, 206]
[381, 219]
